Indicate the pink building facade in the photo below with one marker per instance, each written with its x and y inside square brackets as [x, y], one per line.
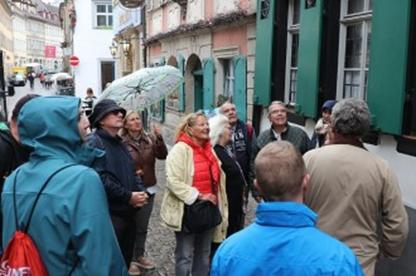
[213, 43]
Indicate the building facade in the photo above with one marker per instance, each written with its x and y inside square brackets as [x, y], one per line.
[92, 37]
[311, 51]
[128, 49]
[6, 38]
[37, 34]
[213, 43]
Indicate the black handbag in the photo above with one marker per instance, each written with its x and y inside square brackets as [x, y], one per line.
[202, 215]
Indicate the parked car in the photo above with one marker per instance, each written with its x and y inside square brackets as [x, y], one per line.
[17, 79]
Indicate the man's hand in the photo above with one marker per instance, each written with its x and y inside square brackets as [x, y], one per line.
[138, 199]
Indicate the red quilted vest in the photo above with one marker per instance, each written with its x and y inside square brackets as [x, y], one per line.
[206, 167]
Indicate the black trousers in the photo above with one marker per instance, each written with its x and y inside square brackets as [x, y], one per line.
[125, 228]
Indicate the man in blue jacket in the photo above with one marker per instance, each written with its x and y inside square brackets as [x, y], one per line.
[283, 240]
[71, 225]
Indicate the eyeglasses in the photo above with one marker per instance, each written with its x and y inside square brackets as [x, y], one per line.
[116, 112]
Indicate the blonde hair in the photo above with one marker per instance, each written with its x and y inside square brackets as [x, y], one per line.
[124, 131]
[217, 125]
[187, 122]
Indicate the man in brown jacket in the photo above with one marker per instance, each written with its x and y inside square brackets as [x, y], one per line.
[355, 193]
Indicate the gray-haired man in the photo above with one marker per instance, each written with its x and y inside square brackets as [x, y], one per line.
[353, 190]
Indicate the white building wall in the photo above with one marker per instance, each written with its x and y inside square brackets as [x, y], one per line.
[91, 46]
[195, 11]
[225, 6]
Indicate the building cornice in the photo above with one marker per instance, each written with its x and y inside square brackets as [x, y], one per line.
[236, 17]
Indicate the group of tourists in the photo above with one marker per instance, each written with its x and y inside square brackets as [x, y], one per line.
[93, 183]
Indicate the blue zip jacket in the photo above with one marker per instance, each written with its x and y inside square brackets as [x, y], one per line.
[71, 226]
[284, 241]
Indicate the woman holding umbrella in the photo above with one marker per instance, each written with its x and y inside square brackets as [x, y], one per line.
[193, 175]
[144, 148]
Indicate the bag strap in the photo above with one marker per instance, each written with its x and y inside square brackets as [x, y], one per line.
[26, 228]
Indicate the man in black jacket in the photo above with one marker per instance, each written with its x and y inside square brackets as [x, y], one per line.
[125, 191]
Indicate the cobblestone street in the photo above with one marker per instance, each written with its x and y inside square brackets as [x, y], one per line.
[160, 244]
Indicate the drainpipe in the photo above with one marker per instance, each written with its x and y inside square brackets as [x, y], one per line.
[143, 11]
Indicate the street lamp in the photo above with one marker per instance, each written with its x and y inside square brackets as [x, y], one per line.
[126, 46]
[113, 49]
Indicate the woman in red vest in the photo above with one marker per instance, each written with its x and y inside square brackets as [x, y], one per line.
[193, 172]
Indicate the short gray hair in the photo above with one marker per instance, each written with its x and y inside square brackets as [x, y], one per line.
[351, 117]
[217, 125]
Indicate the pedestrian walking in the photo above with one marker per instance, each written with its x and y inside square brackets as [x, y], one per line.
[71, 222]
[355, 192]
[144, 148]
[89, 101]
[283, 240]
[194, 177]
[31, 77]
[281, 130]
[42, 78]
[125, 191]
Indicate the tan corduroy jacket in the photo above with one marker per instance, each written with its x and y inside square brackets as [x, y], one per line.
[179, 190]
[353, 191]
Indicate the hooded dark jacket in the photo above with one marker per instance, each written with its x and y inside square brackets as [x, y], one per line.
[71, 222]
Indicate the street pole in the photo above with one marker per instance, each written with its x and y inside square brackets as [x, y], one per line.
[2, 85]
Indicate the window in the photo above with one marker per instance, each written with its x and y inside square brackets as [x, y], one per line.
[292, 51]
[228, 84]
[354, 52]
[103, 15]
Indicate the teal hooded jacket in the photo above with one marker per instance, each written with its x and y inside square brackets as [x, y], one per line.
[71, 225]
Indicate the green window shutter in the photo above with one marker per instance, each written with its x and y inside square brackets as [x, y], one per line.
[388, 62]
[309, 59]
[181, 65]
[240, 86]
[264, 50]
[208, 84]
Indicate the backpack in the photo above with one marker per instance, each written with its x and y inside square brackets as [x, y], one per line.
[21, 256]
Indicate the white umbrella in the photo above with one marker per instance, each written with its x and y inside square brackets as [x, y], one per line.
[145, 87]
[60, 76]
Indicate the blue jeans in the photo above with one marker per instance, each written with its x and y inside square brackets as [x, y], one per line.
[192, 253]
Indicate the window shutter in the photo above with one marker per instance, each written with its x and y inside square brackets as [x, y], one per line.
[240, 86]
[181, 91]
[208, 86]
[309, 59]
[264, 50]
[388, 63]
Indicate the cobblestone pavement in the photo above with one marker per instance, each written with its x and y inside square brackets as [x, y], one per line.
[160, 244]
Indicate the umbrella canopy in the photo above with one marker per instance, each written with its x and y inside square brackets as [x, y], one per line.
[60, 76]
[145, 87]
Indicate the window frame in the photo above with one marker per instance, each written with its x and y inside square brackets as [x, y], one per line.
[364, 17]
[107, 14]
[292, 30]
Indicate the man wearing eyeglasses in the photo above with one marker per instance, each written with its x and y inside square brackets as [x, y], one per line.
[125, 191]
